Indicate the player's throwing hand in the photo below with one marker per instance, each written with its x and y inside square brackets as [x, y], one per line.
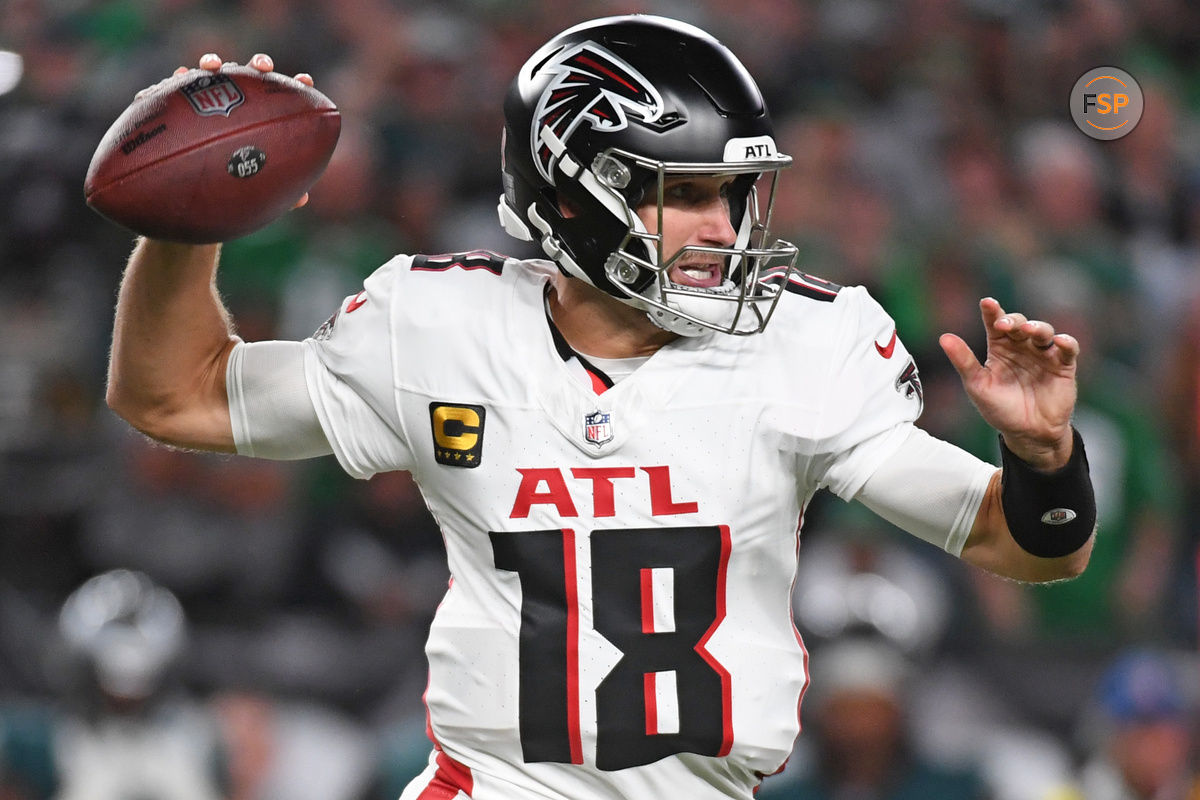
[1026, 386]
[261, 62]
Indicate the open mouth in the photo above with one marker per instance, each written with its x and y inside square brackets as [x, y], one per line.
[701, 276]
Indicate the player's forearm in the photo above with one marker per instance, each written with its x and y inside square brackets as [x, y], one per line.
[171, 341]
[991, 546]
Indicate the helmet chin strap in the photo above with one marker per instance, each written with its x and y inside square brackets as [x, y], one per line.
[710, 309]
[550, 245]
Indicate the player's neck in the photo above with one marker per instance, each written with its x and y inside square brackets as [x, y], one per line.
[595, 324]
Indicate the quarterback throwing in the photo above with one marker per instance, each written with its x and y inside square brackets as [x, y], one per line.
[620, 446]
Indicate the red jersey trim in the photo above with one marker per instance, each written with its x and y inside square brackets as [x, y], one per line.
[450, 778]
[574, 730]
[717, 666]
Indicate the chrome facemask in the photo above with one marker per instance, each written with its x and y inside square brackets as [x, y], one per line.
[755, 268]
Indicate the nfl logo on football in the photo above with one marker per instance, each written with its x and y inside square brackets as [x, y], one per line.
[213, 94]
[597, 428]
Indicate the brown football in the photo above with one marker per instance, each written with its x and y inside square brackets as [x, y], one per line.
[211, 156]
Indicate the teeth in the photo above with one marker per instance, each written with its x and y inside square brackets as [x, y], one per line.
[698, 273]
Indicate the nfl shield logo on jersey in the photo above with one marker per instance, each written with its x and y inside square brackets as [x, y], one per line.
[597, 428]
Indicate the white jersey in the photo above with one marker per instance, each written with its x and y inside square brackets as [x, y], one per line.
[618, 621]
[169, 756]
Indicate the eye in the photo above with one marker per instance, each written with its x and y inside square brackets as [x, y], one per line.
[681, 190]
[693, 192]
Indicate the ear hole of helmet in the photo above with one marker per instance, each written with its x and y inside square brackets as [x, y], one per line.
[567, 207]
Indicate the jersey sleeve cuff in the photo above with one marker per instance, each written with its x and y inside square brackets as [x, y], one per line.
[973, 498]
[237, 401]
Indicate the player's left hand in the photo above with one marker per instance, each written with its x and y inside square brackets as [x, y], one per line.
[1026, 386]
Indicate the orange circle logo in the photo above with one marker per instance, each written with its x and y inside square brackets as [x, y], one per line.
[1106, 103]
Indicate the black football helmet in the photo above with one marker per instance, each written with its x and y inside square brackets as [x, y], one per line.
[598, 120]
[126, 630]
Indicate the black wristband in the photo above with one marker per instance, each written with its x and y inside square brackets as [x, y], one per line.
[1049, 514]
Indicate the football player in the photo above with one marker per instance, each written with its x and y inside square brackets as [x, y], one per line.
[126, 728]
[619, 440]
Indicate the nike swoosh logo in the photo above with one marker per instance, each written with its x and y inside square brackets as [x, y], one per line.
[887, 350]
[361, 298]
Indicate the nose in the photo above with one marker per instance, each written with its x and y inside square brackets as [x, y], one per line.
[717, 228]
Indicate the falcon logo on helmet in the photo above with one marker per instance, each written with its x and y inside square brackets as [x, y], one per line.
[591, 86]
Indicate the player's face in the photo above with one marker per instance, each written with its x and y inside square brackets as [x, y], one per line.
[695, 212]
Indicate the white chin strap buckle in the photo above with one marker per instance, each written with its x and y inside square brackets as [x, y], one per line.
[512, 224]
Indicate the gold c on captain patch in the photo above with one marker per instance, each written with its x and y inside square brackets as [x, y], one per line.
[457, 433]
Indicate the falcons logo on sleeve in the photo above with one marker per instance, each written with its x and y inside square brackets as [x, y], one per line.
[592, 86]
[909, 384]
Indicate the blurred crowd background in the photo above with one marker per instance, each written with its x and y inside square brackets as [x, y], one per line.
[253, 630]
